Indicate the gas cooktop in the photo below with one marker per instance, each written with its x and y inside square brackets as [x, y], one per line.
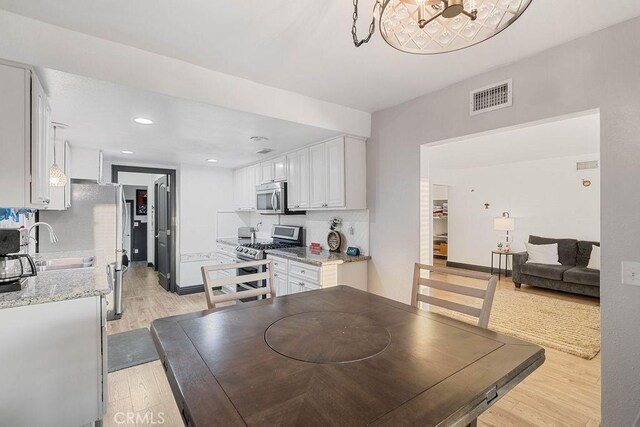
[284, 236]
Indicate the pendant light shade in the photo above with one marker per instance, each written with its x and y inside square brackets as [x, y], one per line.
[437, 26]
[57, 178]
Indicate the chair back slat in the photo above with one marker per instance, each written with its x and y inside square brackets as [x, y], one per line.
[486, 295]
[210, 283]
[450, 305]
[450, 287]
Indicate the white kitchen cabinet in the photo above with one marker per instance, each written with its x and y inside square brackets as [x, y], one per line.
[295, 286]
[295, 276]
[335, 173]
[338, 174]
[41, 144]
[281, 284]
[244, 194]
[274, 170]
[25, 134]
[54, 370]
[298, 180]
[317, 174]
[327, 175]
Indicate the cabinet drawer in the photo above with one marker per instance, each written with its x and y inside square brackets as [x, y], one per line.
[279, 264]
[305, 271]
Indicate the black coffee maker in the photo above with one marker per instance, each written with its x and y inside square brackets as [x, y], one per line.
[15, 267]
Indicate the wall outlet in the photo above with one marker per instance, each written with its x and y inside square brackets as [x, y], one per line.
[630, 273]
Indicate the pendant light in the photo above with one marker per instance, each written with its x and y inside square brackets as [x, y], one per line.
[437, 26]
[57, 178]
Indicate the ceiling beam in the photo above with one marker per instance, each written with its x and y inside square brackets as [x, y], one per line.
[37, 43]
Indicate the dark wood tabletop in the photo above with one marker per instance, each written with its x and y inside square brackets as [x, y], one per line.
[336, 356]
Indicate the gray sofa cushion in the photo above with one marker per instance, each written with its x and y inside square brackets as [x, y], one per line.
[567, 248]
[582, 276]
[553, 272]
[584, 252]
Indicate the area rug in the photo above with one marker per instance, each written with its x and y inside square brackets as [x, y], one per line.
[130, 348]
[562, 325]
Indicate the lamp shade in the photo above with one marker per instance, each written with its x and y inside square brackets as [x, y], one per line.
[504, 224]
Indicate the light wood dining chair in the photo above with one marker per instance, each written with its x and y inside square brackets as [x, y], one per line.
[486, 295]
[210, 283]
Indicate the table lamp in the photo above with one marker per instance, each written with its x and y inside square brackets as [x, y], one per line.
[504, 223]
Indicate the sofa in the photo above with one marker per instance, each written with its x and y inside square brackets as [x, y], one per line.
[571, 276]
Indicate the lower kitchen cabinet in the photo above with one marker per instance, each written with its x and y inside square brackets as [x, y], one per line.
[292, 277]
[54, 363]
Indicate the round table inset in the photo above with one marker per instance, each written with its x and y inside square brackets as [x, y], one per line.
[327, 337]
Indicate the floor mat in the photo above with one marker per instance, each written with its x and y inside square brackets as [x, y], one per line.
[130, 348]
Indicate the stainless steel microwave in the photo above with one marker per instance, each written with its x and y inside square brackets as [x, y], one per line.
[271, 199]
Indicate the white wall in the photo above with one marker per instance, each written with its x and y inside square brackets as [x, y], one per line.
[599, 71]
[203, 192]
[546, 198]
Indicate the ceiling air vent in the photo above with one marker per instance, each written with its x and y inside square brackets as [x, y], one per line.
[592, 164]
[490, 98]
[264, 151]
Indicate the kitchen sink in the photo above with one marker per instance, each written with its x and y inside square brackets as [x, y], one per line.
[64, 263]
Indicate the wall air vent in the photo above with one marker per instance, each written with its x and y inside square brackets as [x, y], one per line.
[592, 164]
[490, 98]
[264, 151]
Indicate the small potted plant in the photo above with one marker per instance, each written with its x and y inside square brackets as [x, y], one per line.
[499, 246]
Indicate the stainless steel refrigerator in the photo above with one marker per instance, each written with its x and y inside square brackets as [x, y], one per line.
[94, 222]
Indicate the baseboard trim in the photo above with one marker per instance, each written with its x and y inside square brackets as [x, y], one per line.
[191, 289]
[473, 267]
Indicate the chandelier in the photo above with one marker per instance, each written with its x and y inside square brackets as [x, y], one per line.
[438, 26]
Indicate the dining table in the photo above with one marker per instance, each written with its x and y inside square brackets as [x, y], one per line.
[336, 357]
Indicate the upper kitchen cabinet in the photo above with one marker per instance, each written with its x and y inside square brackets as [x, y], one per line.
[274, 170]
[337, 170]
[25, 134]
[244, 186]
[298, 182]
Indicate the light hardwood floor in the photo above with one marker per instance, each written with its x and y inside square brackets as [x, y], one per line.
[565, 391]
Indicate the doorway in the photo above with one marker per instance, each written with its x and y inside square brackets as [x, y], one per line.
[162, 257]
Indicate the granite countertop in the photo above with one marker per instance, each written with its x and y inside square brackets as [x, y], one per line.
[235, 241]
[61, 285]
[319, 258]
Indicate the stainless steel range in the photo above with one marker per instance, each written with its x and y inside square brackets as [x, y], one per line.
[284, 236]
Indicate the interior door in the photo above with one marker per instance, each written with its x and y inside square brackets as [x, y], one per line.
[163, 207]
[128, 232]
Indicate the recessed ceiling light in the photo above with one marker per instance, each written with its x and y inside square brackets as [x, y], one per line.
[126, 152]
[211, 160]
[143, 121]
[259, 139]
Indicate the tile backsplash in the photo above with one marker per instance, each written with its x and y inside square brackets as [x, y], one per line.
[354, 227]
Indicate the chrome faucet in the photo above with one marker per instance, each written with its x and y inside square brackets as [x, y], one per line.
[52, 235]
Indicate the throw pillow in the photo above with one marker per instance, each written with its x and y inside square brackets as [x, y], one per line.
[543, 254]
[594, 261]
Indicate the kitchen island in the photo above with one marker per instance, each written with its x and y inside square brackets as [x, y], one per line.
[53, 336]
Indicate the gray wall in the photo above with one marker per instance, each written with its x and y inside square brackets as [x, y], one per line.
[601, 71]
